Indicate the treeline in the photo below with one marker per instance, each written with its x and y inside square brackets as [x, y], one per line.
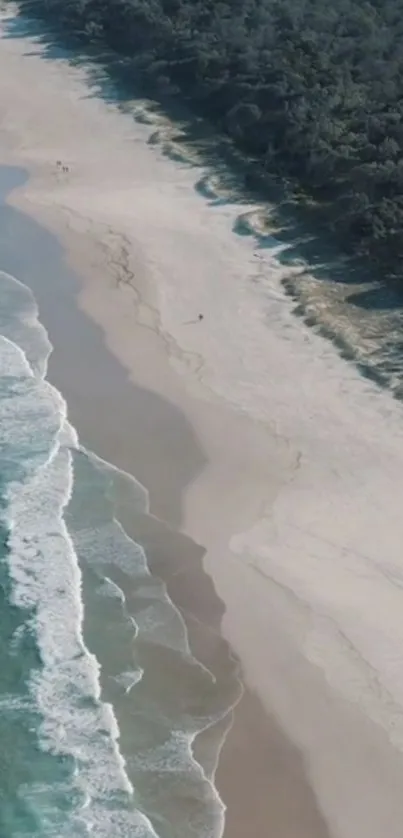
[313, 90]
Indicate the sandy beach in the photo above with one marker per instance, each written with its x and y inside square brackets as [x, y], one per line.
[273, 470]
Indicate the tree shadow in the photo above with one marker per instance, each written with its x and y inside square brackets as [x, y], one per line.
[271, 213]
[120, 82]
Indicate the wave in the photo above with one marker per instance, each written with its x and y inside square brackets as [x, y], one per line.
[37, 479]
[19, 322]
[159, 746]
[49, 547]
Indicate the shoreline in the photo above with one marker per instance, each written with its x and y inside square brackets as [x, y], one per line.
[307, 549]
[173, 557]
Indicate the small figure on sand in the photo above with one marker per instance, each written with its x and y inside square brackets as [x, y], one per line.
[61, 166]
[200, 317]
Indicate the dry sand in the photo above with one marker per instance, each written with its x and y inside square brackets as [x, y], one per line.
[295, 490]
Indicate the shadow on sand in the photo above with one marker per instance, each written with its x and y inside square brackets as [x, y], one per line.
[229, 176]
[270, 214]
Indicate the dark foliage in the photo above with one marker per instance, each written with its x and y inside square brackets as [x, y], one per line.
[312, 90]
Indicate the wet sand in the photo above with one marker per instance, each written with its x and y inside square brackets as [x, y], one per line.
[260, 775]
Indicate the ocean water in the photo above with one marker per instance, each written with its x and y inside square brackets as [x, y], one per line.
[101, 698]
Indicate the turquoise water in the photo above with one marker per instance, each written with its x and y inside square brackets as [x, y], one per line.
[100, 695]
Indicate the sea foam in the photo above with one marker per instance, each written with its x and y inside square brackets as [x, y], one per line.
[76, 726]
[37, 477]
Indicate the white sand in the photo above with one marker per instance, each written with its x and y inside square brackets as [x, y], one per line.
[301, 503]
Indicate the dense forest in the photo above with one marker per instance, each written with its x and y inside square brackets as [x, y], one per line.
[311, 90]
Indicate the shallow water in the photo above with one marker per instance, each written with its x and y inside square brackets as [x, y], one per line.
[101, 696]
